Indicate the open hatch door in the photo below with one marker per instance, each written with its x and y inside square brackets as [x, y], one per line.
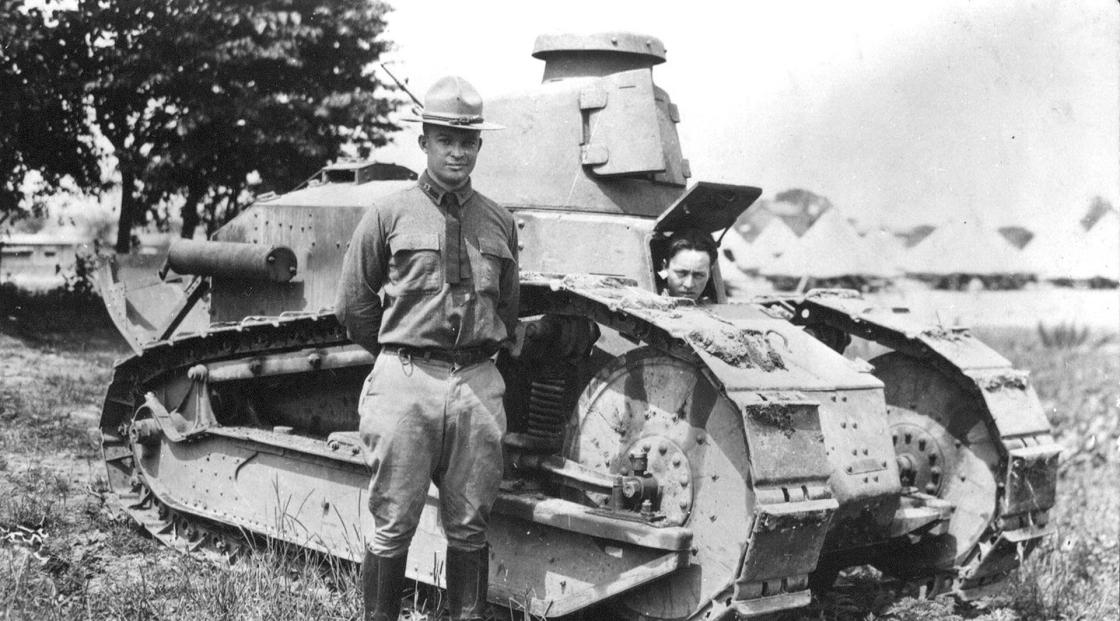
[707, 206]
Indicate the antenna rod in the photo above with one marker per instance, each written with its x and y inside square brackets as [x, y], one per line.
[401, 85]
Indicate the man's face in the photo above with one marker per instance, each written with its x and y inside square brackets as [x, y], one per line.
[687, 273]
[451, 154]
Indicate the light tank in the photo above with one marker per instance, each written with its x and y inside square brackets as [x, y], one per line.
[665, 459]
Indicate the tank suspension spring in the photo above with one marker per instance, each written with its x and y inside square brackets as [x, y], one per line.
[549, 405]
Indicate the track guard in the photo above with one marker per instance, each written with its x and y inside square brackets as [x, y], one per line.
[789, 471]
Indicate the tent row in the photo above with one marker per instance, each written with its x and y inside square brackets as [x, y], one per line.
[832, 253]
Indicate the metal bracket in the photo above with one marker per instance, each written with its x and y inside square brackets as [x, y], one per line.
[195, 410]
[674, 113]
[1031, 479]
[593, 154]
[772, 578]
[592, 98]
[921, 512]
[192, 294]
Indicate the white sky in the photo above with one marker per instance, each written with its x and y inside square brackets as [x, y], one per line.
[899, 112]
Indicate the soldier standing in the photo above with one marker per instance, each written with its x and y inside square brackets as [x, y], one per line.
[445, 258]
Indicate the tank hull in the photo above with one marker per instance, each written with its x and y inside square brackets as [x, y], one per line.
[789, 461]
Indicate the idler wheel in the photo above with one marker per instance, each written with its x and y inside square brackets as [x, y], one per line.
[697, 449]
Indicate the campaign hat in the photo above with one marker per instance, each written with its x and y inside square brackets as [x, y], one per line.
[452, 102]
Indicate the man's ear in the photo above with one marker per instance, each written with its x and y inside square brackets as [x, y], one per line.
[479, 143]
[422, 140]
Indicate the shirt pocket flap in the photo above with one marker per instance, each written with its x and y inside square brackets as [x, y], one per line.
[495, 248]
[415, 241]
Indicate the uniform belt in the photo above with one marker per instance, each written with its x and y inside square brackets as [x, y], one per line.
[461, 357]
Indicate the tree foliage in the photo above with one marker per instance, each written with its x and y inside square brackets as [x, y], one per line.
[41, 113]
[197, 97]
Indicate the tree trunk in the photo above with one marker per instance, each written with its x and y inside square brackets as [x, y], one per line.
[128, 211]
[189, 212]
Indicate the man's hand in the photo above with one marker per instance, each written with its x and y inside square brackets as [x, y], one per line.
[553, 337]
[514, 345]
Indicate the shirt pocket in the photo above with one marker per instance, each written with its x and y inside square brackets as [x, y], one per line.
[494, 253]
[416, 265]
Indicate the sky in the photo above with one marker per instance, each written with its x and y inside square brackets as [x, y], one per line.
[899, 112]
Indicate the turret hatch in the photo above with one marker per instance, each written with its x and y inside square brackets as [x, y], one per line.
[708, 207]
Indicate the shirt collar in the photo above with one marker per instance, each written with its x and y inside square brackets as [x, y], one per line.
[436, 192]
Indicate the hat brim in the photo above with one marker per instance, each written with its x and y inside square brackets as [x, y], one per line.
[480, 126]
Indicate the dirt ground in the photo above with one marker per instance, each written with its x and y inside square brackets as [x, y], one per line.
[66, 553]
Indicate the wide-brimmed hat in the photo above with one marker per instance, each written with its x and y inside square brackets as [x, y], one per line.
[452, 102]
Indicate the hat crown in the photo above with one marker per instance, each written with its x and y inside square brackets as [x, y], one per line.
[453, 99]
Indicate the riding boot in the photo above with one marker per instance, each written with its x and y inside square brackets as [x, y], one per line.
[467, 576]
[382, 583]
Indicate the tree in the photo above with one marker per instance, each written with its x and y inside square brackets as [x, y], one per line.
[41, 110]
[194, 95]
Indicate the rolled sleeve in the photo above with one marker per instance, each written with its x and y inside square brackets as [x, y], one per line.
[358, 307]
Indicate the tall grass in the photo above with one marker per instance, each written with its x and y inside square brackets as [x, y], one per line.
[269, 584]
[92, 563]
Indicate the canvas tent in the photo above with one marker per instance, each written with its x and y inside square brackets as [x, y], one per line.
[830, 249]
[959, 251]
[771, 243]
[1070, 254]
[890, 247]
[963, 247]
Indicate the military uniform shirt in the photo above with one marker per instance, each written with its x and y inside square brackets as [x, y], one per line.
[446, 263]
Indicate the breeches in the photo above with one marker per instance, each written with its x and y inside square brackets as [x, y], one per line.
[431, 421]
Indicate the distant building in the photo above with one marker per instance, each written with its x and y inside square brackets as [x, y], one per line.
[37, 261]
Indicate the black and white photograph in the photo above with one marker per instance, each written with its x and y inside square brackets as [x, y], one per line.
[419, 310]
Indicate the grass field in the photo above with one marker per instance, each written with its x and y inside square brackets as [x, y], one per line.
[65, 553]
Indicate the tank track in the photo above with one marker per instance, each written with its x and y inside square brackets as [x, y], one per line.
[1029, 455]
[182, 530]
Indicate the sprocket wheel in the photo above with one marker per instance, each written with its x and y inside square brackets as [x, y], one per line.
[944, 448]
